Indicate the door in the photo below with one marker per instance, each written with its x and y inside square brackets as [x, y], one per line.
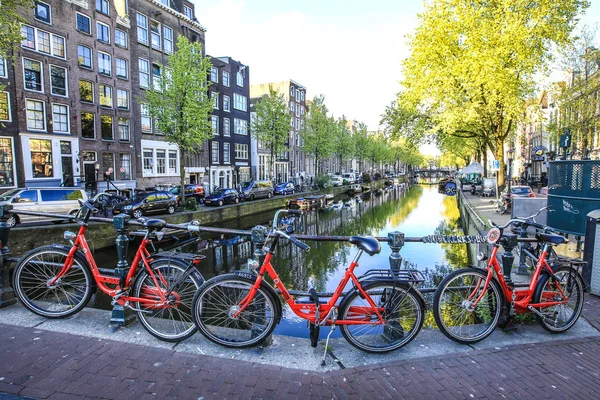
[67, 171]
[89, 173]
[150, 203]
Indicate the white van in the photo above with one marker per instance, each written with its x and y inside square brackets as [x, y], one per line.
[350, 177]
[59, 200]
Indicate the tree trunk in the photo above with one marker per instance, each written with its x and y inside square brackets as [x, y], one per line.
[499, 154]
[485, 163]
[182, 174]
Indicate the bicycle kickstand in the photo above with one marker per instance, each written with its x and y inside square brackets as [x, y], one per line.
[333, 317]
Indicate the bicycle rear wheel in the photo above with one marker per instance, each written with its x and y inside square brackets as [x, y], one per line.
[453, 308]
[559, 318]
[218, 300]
[68, 295]
[401, 307]
[173, 322]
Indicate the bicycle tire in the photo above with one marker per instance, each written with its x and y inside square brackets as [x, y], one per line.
[218, 297]
[451, 313]
[551, 319]
[171, 324]
[68, 296]
[404, 313]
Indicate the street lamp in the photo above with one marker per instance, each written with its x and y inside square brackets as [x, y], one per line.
[511, 154]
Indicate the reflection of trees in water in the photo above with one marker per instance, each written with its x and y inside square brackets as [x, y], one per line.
[456, 254]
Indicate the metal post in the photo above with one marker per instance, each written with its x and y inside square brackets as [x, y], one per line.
[120, 315]
[259, 237]
[523, 245]
[510, 242]
[396, 243]
[7, 295]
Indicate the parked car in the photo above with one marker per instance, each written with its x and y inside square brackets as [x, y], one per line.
[59, 200]
[257, 189]
[222, 196]
[191, 190]
[519, 191]
[350, 177]
[284, 188]
[337, 180]
[147, 202]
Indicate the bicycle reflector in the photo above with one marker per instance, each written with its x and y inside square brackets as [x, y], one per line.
[253, 264]
[493, 235]
[68, 235]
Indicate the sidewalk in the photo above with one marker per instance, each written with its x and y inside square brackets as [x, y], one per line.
[43, 364]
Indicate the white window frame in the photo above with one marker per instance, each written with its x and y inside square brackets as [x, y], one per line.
[36, 42]
[126, 45]
[215, 99]
[66, 81]
[98, 24]
[126, 76]
[240, 102]
[239, 79]
[159, 47]
[153, 146]
[126, 98]
[14, 163]
[109, 63]
[213, 153]
[188, 12]
[214, 74]
[49, 13]
[128, 129]
[292, 106]
[165, 40]
[226, 127]
[4, 73]
[68, 131]
[226, 153]
[91, 67]
[225, 80]
[240, 126]
[107, 7]
[145, 113]
[241, 151]
[89, 23]
[43, 115]
[9, 108]
[142, 28]
[228, 103]
[146, 72]
[214, 122]
[291, 92]
[41, 75]
[101, 92]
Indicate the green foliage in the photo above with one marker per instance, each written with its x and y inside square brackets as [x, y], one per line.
[180, 103]
[366, 178]
[190, 204]
[323, 181]
[377, 176]
[343, 143]
[361, 143]
[11, 12]
[318, 131]
[272, 124]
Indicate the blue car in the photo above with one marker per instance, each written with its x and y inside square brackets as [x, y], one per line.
[222, 196]
[284, 188]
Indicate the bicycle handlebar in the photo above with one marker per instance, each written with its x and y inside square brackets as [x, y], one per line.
[530, 221]
[299, 243]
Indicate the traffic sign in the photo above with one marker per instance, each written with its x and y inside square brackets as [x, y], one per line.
[565, 140]
[495, 165]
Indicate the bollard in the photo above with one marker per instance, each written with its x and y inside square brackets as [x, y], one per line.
[7, 295]
[509, 243]
[522, 265]
[396, 243]
[259, 237]
[121, 316]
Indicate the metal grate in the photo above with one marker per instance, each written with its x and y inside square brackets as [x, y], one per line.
[577, 177]
[595, 178]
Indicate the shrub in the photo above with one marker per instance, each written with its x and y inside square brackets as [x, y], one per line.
[344, 182]
[323, 181]
[377, 176]
[366, 178]
[190, 204]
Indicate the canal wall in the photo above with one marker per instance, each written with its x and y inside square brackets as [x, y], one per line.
[102, 235]
[472, 224]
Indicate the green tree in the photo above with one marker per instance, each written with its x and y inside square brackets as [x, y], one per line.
[271, 126]
[10, 26]
[317, 133]
[361, 143]
[343, 144]
[473, 63]
[180, 103]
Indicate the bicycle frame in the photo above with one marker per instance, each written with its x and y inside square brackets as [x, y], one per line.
[309, 311]
[523, 297]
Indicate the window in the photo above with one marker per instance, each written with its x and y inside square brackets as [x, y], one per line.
[42, 41]
[215, 152]
[240, 79]
[240, 126]
[168, 39]
[161, 161]
[4, 112]
[33, 76]
[58, 81]
[226, 78]
[214, 75]
[144, 67]
[226, 153]
[102, 6]
[42, 12]
[83, 23]
[106, 95]
[214, 120]
[142, 28]
[298, 95]
[28, 34]
[241, 151]
[125, 169]
[240, 102]
[41, 159]
[172, 161]
[123, 99]
[226, 103]
[3, 68]
[103, 32]
[146, 119]
[122, 70]
[120, 38]
[104, 64]
[84, 56]
[297, 123]
[302, 110]
[148, 161]
[124, 130]
[7, 179]
[106, 127]
[156, 76]
[291, 91]
[215, 99]
[226, 127]
[88, 125]
[108, 165]
[58, 46]
[155, 34]
[292, 106]
[60, 118]
[188, 12]
[302, 98]
[86, 91]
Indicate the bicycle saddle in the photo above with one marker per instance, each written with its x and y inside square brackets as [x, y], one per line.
[368, 244]
[550, 238]
[154, 224]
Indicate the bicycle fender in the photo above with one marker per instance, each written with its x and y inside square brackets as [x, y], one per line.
[192, 272]
[365, 285]
[251, 278]
[81, 258]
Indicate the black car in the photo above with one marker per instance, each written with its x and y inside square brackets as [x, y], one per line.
[284, 188]
[146, 203]
[222, 196]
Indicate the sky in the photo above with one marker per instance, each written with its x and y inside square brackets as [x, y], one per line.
[348, 50]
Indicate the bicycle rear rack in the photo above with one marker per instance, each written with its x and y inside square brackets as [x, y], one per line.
[403, 275]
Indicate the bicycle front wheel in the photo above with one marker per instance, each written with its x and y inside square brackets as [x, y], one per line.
[172, 322]
[560, 317]
[33, 282]
[401, 307]
[455, 311]
[216, 304]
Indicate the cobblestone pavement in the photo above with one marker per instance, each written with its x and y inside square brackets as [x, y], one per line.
[43, 364]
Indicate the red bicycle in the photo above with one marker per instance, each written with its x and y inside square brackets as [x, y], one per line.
[381, 312]
[57, 281]
[470, 302]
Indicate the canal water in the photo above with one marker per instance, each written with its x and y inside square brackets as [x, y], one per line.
[417, 211]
